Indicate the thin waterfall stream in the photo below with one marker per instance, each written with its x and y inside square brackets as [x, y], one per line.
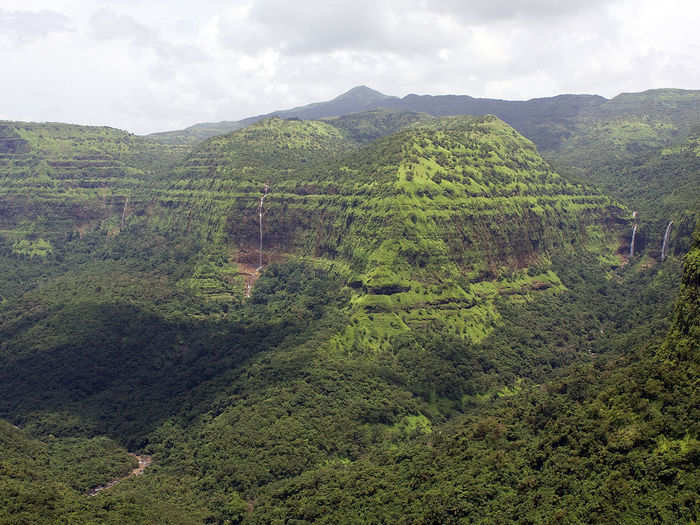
[260, 218]
[665, 243]
[634, 234]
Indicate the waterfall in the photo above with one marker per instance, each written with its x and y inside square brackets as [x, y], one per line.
[634, 234]
[260, 216]
[663, 246]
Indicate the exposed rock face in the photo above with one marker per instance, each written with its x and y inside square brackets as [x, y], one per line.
[418, 217]
[474, 188]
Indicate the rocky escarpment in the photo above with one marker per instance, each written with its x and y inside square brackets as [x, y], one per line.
[419, 219]
[476, 183]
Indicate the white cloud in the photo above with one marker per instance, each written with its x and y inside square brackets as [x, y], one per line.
[148, 66]
[29, 25]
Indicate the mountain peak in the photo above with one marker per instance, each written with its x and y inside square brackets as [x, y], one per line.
[362, 93]
[359, 98]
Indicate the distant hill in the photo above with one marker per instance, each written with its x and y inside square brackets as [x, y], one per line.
[56, 178]
[573, 129]
[358, 99]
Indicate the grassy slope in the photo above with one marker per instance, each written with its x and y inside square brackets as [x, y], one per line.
[371, 125]
[629, 124]
[332, 357]
[622, 145]
[59, 178]
[416, 219]
[640, 149]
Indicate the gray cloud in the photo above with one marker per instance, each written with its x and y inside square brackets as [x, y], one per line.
[109, 25]
[325, 27]
[407, 27]
[29, 25]
[481, 11]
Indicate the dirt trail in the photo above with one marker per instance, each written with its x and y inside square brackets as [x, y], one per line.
[144, 461]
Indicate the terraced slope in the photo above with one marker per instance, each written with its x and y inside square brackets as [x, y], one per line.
[219, 184]
[266, 149]
[430, 223]
[417, 217]
[615, 440]
[58, 178]
[624, 145]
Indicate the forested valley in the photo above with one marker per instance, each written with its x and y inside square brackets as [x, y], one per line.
[370, 310]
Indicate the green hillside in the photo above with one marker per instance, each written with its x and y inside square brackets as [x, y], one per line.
[443, 328]
[441, 203]
[43, 482]
[661, 186]
[628, 125]
[59, 178]
[615, 144]
[610, 441]
[368, 126]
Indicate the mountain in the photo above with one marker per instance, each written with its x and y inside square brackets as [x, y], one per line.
[627, 126]
[573, 130]
[377, 317]
[661, 185]
[523, 115]
[450, 176]
[60, 178]
[626, 145]
[356, 100]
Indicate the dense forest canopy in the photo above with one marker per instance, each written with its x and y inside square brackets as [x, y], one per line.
[377, 310]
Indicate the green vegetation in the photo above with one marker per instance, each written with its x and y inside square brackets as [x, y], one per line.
[626, 127]
[62, 179]
[611, 440]
[445, 329]
[372, 125]
[45, 480]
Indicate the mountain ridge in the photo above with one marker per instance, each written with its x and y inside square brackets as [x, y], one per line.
[357, 99]
[563, 126]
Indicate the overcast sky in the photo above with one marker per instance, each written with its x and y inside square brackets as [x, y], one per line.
[157, 65]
